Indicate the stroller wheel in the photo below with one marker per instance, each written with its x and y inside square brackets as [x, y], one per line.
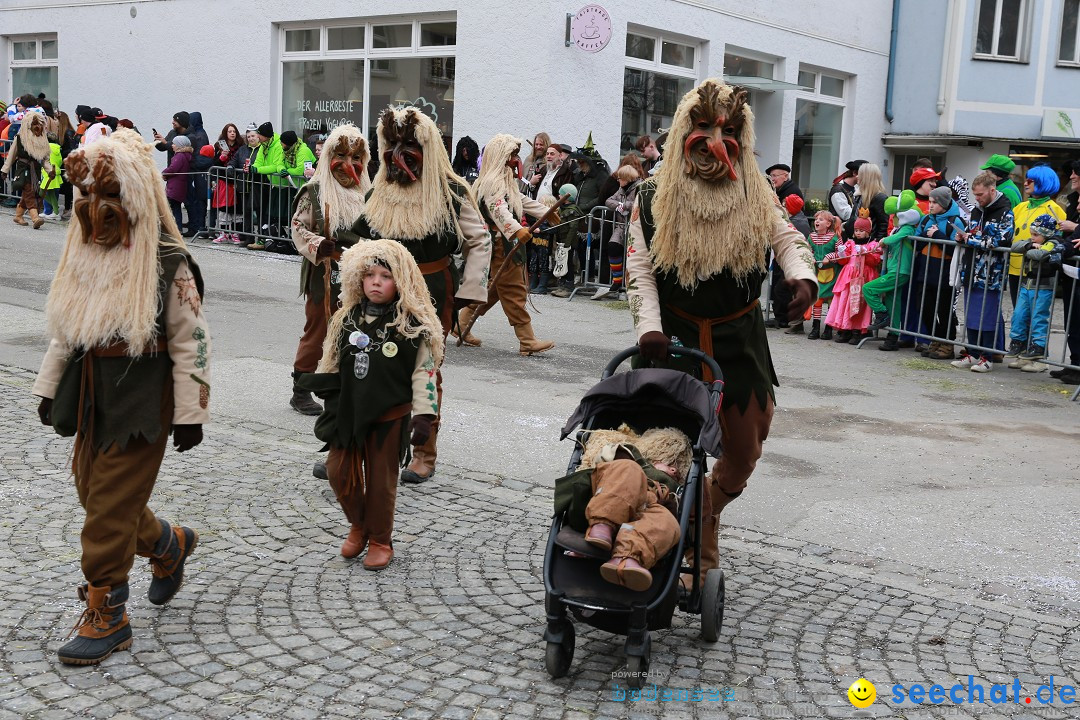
[560, 655]
[712, 605]
[637, 667]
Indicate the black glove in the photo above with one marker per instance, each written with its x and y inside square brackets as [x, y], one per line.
[654, 345]
[803, 295]
[186, 437]
[326, 248]
[421, 429]
[44, 411]
[230, 171]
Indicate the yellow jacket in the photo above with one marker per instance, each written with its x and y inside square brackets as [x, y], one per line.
[1023, 215]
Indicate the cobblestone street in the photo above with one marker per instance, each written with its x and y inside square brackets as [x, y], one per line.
[273, 623]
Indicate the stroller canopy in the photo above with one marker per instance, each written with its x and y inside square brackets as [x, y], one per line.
[649, 395]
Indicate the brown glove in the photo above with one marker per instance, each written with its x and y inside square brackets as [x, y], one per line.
[554, 219]
[803, 294]
[421, 429]
[523, 236]
[325, 249]
[654, 345]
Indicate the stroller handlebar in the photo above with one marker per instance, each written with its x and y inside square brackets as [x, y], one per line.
[633, 350]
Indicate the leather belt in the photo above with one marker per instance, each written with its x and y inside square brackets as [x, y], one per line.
[705, 327]
[120, 349]
[434, 266]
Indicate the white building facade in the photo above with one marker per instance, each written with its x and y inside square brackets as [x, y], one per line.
[817, 69]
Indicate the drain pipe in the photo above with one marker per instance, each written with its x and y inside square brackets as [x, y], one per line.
[947, 51]
[891, 79]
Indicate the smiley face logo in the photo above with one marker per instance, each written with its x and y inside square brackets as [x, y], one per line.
[862, 693]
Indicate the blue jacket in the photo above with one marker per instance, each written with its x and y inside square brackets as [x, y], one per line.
[991, 227]
[935, 270]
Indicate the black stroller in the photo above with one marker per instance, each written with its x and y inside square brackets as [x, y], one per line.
[642, 399]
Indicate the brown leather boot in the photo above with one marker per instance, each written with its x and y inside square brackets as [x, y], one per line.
[103, 628]
[378, 556]
[465, 316]
[529, 345]
[36, 219]
[354, 544]
[422, 466]
[19, 212]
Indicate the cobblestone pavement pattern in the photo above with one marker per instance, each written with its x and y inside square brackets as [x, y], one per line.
[907, 524]
[272, 623]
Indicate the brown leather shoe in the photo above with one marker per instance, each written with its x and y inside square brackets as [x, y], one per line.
[528, 344]
[354, 544]
[378, 556]
[627, 572]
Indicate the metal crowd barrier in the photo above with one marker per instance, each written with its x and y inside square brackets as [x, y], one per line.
[929, 305]
[599, 226]
[261, 208]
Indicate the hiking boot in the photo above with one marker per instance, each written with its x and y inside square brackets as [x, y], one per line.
[103, 628]
[600, 536]
[795, 329]
[354, 543]
[891, 343]
[815, 330]
[856, 338]
[527, 342]
[303, 403]
[1033, 352]
[167, 562]
[1070, 377]
[827, 333]
[562, 291]
[627, 572]
[842, 336]
[378, 556]
[944, 351]
[1015, 348]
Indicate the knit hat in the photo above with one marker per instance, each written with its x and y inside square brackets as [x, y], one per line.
[942, 196]
[921, 175]
[864, 224]
[288, 138]
[181, 141]
[207, 151]
[1046, 226]
[183, 119]
[266, 129]
[251, 127]
[999, 162]
[793, 204]
[570, 190]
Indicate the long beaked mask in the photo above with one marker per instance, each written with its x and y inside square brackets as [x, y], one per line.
[100, 210]
[711, 149]
[403, 155]
[347, 160]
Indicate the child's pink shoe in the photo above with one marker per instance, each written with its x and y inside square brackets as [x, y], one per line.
[599, 536]
[627, 572]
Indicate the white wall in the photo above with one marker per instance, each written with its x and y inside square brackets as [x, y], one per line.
[514, 73]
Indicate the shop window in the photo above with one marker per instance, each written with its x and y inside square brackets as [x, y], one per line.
[659, 71]
[306, 40]
[1001, 30]
[345, 38]
[33, 63]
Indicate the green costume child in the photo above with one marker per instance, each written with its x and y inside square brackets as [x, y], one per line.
[884, 293]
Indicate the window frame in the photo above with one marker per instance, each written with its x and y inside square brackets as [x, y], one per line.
[1075, 60]
[815, 95]
[373, 58]
[37, 62]
[659, 37]
[1023, 34]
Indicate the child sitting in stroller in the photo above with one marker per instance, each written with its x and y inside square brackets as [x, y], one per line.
[632, 510]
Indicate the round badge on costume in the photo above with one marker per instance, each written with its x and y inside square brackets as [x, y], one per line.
[389, 349]
[359, 339]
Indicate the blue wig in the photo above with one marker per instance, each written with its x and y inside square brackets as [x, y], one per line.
[1045, 179]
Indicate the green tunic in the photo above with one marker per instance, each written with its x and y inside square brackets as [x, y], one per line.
[826, 274]
[312, 275]
[354, 405]
[127, 392]
[739, 345]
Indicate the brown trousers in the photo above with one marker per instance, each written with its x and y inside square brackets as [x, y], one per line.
[365, 481]
[742, 435]
[29, 199]
[646, 530]
[309, 351]
[510, 290]
[114, 486]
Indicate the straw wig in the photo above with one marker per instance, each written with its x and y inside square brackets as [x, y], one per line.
[414, 311]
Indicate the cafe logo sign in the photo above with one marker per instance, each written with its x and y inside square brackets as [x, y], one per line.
[590, 28]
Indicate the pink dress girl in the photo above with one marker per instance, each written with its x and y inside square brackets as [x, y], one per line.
[848, 310]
